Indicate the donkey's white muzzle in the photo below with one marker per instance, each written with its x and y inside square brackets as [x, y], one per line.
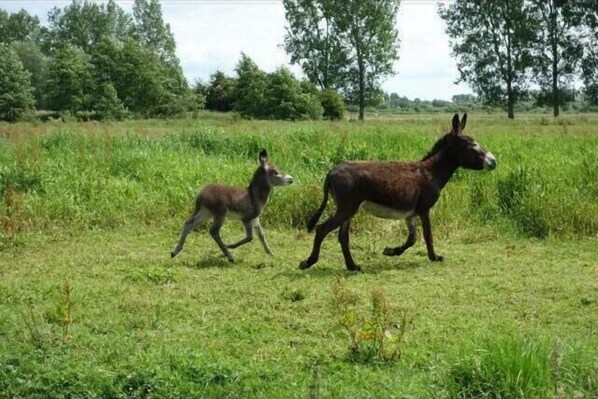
[489, 161]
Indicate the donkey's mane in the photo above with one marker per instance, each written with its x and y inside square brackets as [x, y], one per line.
[438, 146]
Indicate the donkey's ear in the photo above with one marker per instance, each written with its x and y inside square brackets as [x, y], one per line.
[463, 121]
[455, 124]
[263, 157]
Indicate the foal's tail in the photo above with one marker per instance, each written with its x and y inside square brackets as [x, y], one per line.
[314, 219]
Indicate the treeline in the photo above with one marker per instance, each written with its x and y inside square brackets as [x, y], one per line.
[96, 61]
[505, 47]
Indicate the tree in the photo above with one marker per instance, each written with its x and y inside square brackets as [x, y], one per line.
[492, 42]
[36, 63]
[284, 98]
[84, 24]
[368, 31]
[312, 41]
[108, 105]
[351, 44]
[151, 31]
[219, 94]
[558, 48]
[16, 93]
[19, 26]
[589, 63]
[70, 84]
[250, 88]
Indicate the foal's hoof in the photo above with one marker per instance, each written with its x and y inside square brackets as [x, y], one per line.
[304, 265]
[172, 254]
[388, 251]
[437, 258]
[231, 260]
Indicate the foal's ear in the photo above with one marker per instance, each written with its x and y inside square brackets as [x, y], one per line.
[455, 130]
[263, 157]
[463, 121]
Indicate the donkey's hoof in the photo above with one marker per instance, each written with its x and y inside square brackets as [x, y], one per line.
[354, 268]
[304, 265]
[231, 260]
[172, 254]
[437, 258]
[388, 251]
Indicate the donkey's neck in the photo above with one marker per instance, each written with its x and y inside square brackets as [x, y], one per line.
[259, 191]
[442, 167]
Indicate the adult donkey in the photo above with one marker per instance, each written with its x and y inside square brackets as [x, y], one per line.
[216, 201]
[395, 190]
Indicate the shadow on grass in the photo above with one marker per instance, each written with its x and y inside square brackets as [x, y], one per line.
[368, 268]
[208, 263]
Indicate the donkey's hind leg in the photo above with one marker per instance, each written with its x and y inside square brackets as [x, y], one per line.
[390, 251]
[343, 238]
[215, 233]
[194, 221]
[322, 231]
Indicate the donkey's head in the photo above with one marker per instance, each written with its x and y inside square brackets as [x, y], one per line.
[274, 176]
[464, 150]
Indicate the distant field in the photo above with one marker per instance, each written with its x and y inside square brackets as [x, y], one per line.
[510, 313]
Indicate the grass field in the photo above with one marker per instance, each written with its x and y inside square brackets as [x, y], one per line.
[91, 305]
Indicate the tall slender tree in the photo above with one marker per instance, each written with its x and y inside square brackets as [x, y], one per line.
[589, 63]
[312, 41]
[346, 44]
[492, 41]
[16, 93]
[371, 40]
[558, 47]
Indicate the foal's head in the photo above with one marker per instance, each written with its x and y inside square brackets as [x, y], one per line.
[462, 149]
[274, 176]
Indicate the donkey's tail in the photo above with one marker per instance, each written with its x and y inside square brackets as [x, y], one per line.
[314, 219]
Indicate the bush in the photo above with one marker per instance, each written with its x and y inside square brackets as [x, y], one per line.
[333, 104]
[285, 99]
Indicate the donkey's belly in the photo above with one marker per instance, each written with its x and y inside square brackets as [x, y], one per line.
[385, 212]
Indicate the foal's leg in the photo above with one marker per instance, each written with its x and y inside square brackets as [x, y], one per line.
[248, 235]
[322, 231]
[190, 224]
[343, 238]
[389, 251]
[425, 218]
[262, 236]
[215, 233]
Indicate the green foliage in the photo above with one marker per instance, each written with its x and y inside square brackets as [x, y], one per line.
[333, 104]
[502, 366]
[18, 27]
[219, 93]
[36, 63]
[69, 84]
[492, 42]
[16, 93]
[557, 49]
[250, 89]
[344, 45]
[313, 41]
[284, 98]
[374, 338]
[108, 105]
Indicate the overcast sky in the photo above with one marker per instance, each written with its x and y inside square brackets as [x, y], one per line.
[211, 34]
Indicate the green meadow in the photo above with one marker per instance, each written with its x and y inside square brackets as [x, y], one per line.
[91, 305]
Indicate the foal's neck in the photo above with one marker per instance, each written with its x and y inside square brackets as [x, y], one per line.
[259, 190]
[442, 167]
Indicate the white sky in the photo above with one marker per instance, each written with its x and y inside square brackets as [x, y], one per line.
[211, 34]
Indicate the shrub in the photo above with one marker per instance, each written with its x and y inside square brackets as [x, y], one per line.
[333, 104]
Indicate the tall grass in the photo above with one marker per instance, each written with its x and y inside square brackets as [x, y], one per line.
[107, 175]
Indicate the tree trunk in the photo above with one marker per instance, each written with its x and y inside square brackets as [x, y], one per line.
[361, 90]
[510, 103]
[555, 89]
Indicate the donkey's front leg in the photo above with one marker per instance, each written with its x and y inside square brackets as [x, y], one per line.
[262, 236]
[425, 218]
[248, 235]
